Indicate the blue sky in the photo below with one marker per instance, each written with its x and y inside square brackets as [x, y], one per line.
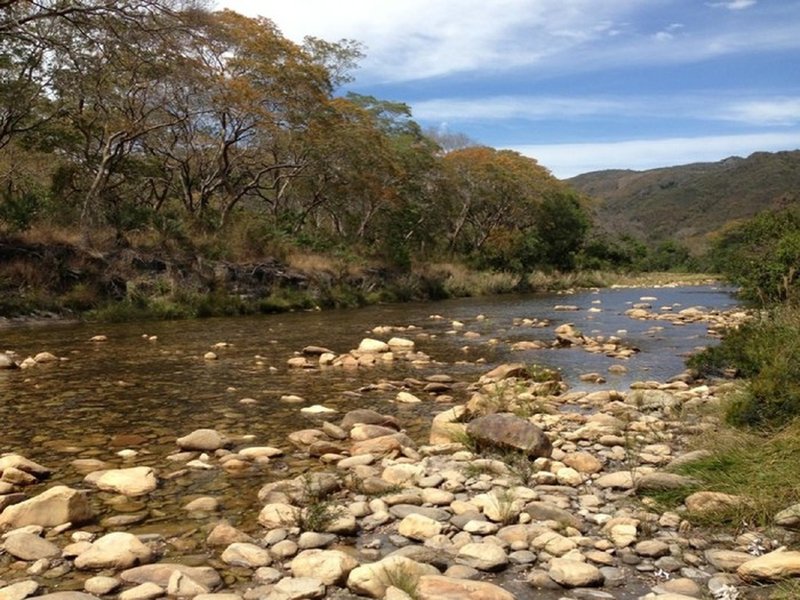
[580, 85]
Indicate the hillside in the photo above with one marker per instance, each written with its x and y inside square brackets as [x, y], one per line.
[690, 202]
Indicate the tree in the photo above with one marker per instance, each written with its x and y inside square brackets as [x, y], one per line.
[561, 225]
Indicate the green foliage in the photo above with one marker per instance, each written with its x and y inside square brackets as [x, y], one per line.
[19, 210]
[760, 469]
[561, 226]
[766, 352]
[762, 256]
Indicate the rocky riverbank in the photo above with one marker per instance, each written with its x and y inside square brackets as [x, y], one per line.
[526, 490]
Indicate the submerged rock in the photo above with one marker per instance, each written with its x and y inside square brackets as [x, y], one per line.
[56, 506]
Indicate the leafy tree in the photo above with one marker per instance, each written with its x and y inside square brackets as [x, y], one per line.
[763, 256]
[561, 225]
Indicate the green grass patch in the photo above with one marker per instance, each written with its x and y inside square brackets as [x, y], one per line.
[762, 469]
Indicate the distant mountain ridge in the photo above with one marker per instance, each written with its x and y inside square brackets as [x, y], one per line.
[690, 202]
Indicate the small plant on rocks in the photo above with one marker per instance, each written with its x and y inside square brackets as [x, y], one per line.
[403, 579]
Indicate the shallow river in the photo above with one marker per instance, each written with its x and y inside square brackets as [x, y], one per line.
[133, 393]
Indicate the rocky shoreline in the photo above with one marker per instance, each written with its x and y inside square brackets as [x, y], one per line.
[527, 490]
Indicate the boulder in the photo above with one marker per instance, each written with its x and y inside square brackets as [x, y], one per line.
[243, 554]
[117, 550]
[19, 590]
[439, 587]
[446, 428]
[202, 439]
[136, 481]
[18, 461]
[482, 556]
[145, 591]
[367, 417]
[789, 517]
[774, 566]
[504, 430]
[708, 502]
[160, 574]
[6, 362]
[573, 573]
[182, 585]
[330, 566]
[297, 588]
[64, 596]
[279, 514]
[27, 546]
[419, 527]
[374, 578]
[372, 346]
[225, 534]
[53, 507]
[507, 371]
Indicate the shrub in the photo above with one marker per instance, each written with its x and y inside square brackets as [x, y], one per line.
[766, 352]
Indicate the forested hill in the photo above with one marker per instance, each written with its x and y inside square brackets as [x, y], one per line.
[689, 202]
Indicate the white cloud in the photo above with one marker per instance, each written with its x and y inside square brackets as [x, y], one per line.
[754, 110]
[531, 108]
[416, 39]
[773, 111]
[567, 160]
[734, 4]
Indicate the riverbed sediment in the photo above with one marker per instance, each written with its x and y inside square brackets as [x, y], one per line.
[551, 502]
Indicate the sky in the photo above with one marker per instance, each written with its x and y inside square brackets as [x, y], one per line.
[579, 85]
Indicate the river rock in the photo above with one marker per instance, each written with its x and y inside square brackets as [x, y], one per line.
[279, 514]
[117, 550]
[6, 362]
[297, 588]
[15, 476]
[144, 591]
[774, 566]
[572, 573]
[101, 585]
[506, 371]
[202, 439]
[135, 481]
[225, 534]
[160, 574]
[330, 566]
[660, 480]
[407, 398]
[372, 346]
[482, 556]
[27, 546]
[726, 560]
[243, 554]
[439, 587]
[544, 511]
[367, 416]
[583, 462]
[19, 590]
[419, 527]
[372, 579]
[707, 502]
[789, 517]
[508, 431]
[64, 596]
[386, 444]
[53, 507]
[45, 357]
[18, 461]
[183, 586]
[622, 480]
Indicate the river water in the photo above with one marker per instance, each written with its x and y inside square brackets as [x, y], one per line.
[139, 393]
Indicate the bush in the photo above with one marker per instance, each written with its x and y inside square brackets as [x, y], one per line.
[766, 352]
